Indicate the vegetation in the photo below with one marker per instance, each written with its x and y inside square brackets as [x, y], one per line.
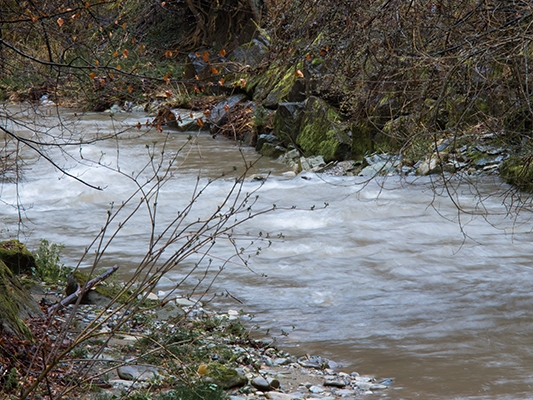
[391, 76]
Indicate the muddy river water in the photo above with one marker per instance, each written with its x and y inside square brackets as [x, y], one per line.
[389, 279]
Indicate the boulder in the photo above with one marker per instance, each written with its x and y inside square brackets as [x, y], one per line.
[287, 121]
[219, 114]
[15, 304]
[17, 257]
[250, 54]
[321, 132]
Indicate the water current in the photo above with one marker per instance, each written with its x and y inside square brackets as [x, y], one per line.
[389, 279]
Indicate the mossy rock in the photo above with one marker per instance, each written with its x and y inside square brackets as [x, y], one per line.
[17, 257]
[321, 132]
[224, 377]
[15, 303]
[518, 171]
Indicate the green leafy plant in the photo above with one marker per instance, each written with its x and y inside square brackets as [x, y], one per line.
[48, 266]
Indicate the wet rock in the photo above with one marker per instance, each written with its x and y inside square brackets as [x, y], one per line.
[265, 384]
[186, 121]
[251, 53]
[140, 372]
[337, 384]
[218, 115]
[313, 164]
[266, 138]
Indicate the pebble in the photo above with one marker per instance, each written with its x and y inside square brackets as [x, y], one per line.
[283, 376]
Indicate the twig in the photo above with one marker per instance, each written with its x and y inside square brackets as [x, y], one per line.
[82, 290]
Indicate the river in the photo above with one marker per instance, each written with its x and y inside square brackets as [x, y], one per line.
[388, 279]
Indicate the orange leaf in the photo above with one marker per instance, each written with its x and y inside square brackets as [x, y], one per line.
[142, 47]
[133, 40]
[96, 62]
[214, 71]
[226, 108]
[196, 90]
[199, 122]
[125, 53]
[163, 3]
[205, 56]
[221, 81]
[115, 53]
[308, 57]
[207, 113]
[190, 115]
[124, 26]
[138, 125]
[130, 89]
[299, 74]
[118, 66]
[92, 75]
[242, 82]
[87, 4]
[167, 78]
[168, 93]
[60, 21]
[222, 53]
[168, 54]
[171, 116]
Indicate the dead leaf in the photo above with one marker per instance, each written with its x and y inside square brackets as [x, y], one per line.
[60, 21]
[222, 53]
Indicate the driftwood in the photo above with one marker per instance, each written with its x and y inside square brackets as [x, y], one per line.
[80, 291]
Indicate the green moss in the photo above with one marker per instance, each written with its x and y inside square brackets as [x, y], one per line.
[518, 171]
[319, 130]
[105, 289]
[14, 301]
[223, 376]
[17, 257]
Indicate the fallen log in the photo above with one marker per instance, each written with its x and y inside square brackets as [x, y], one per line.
[80, 291]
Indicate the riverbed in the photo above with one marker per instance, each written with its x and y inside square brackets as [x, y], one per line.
[402, 277]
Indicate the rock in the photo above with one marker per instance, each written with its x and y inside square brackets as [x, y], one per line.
[428, 167]
[218, 115]
[337, 384]
[140, 372]
[265, 384]
[264, 138]
[321, 131]
[17, 257]
[196, 68]
[377, 386]
[251, 53]
[186, 121]
[313, 164]
[316, 389]
[271, 150]
[15, 303]
[280, 396]
[287, 121]
[224, 377]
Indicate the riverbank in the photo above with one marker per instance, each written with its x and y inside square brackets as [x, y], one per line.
[178, 344]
